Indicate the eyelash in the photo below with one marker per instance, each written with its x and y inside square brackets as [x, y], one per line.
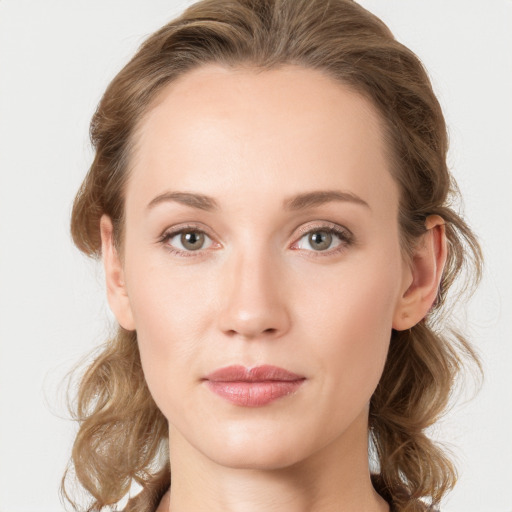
[345, 237]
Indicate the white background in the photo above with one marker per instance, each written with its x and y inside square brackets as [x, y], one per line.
[56, 58]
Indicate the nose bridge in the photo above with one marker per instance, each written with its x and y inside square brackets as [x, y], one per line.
[253, 302]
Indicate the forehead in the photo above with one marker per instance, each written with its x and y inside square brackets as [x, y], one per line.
[284, 130]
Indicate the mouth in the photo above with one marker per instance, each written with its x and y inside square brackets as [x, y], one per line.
[253, 387]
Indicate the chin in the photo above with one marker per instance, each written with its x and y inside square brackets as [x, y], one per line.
[252, 455]
[256, 446]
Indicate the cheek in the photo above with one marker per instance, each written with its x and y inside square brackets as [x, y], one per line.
[350, 319]
[167, 299]
[171, 310]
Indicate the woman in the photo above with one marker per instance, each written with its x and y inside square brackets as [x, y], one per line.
[270, 198]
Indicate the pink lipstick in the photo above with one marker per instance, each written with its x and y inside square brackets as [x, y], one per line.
[253, 387]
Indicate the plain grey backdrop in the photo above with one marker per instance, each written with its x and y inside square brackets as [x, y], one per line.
[56, 58]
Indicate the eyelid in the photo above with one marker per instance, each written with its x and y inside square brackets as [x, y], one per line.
[173, 231]
[323, 224]
[344, 234]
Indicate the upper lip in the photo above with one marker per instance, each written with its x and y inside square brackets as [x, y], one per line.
[238, 373]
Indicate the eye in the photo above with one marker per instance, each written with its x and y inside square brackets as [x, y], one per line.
[186, 241]
[324, 239]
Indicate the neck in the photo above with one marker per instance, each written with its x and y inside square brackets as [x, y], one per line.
[335, 479]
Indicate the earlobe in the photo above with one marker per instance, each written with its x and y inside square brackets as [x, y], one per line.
[114, 276]
[424, 276]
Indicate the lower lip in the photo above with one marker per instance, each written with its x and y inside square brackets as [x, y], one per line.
[254, 394]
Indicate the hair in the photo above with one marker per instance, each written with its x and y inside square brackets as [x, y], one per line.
[121, 430]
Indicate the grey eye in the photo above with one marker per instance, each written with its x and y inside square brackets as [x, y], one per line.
[323, 239]
[192, 240]
[188, 240]
[320, 240]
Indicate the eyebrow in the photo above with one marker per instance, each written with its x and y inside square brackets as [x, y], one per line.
[319, 197]
[295, 203]
[199, 201]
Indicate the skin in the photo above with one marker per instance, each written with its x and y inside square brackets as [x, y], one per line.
[258, 291]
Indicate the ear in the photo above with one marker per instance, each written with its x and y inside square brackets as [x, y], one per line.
[114, 276]
[422, 279]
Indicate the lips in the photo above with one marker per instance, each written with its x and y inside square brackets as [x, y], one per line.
[253, 387]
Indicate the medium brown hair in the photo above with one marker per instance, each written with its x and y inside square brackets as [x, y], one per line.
[121, 430]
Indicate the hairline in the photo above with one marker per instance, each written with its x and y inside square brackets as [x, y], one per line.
[158, 96]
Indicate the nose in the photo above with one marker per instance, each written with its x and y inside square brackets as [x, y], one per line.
[253, 298]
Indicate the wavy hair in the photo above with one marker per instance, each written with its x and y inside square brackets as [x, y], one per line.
[121, 431]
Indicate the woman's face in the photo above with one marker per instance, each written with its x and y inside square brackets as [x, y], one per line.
[261, 230]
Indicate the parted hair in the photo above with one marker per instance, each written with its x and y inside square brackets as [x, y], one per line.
[122, 434]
